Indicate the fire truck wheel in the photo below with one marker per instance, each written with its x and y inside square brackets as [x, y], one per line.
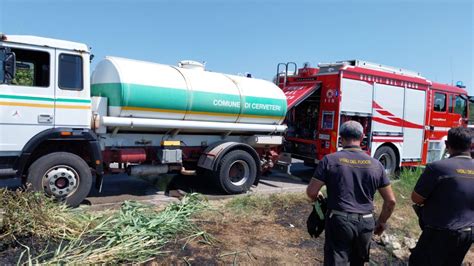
[236, 172]
[386, 156]
[63, 175]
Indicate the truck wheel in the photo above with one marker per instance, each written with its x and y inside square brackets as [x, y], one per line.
[63, 175]
[386, 156]
[236, 172]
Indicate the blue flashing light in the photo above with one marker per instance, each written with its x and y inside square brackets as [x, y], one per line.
[460, 84]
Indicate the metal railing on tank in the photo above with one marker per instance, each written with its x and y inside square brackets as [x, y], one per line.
[284, 73]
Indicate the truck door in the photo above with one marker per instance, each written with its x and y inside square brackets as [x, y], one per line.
[413, 124]
[72, 90]
[439, 114]
[459, 115]
[438, 124]
[27, 105]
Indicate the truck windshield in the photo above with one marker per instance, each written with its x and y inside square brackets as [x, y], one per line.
[460, 106]
[2, 68]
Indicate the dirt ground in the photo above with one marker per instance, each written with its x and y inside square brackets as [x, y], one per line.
[259, 238]
[257, 233]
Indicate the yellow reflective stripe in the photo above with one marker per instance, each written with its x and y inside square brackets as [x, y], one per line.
[62, 106]
[27, 104]
[41, 105]
[261, 116]
[352, 149]
[210, 113]
[128, 108]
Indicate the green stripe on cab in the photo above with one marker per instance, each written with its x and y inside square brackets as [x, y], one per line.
[45, 99]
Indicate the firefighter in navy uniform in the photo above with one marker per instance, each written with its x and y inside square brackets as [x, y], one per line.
[352, 178]
[446, 191]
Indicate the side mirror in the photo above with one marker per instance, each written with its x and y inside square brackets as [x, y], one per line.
[467, 98]
[470, 99]
[7, 65]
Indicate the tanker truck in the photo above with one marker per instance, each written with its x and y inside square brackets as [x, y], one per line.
[60, 128]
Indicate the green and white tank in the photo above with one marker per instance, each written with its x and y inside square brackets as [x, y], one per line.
[150, 90]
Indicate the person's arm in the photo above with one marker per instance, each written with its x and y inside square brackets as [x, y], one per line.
[317, 182]
[424, 186]
[313, 188]
[389, 203]
[417, 198]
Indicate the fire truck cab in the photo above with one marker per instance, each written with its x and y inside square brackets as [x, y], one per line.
[405, 116]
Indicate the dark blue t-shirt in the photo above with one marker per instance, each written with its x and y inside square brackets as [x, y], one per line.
[448, 187]
[352, 177]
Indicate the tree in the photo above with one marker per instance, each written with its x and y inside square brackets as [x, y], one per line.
[24, 74]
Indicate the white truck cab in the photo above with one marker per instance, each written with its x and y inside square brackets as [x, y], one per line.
[50, 89]
[44, 92]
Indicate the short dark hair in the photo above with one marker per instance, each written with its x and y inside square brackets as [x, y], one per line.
[351, 130]
[459, 138]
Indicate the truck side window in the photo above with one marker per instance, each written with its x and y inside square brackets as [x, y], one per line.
[439, 102]
[32, 68]
[70, 72]
[460, 106]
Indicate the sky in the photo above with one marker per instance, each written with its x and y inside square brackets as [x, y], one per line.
[433, 37]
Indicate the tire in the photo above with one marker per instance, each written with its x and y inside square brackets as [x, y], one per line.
[386, 156]
[63, 175]
[236, 172]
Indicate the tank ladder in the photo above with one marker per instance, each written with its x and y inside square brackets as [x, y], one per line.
[282, 70]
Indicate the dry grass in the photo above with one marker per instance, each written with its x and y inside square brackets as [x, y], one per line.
[249, 204]
[47, 232]
[260, 230]
[248, 229]
[404, 221]
[34, 214]
[254, 230]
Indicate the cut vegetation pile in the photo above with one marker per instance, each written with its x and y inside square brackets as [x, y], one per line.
[35, 215]
[37, 230]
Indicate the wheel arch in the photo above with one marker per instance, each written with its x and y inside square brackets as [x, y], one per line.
[213, 154]
[82, 142]
[395, 149]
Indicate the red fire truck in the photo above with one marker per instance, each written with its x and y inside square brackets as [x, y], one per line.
[405, 116]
